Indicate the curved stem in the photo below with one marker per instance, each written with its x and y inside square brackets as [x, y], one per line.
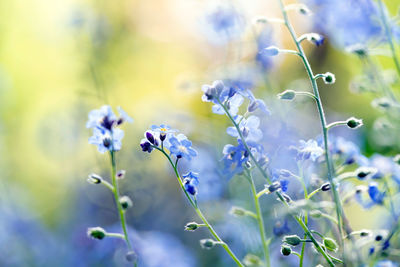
[198, 211]
[116, 197]
[259, 218]
[339, 209]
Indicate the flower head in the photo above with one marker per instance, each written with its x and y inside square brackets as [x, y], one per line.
[249, 129]
[190, 182]
[309, 150]
[106, 140]
[234, 158]
[163, 130]
[181, 147]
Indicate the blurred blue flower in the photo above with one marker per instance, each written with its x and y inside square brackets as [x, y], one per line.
[249, 129]
[385, 166]
[213, 92]
[347, 23]
[308, 150]
[102, 118]
[105, 140]
[224, 23]
[191, 181]
[234, 158]
[181, 147]
[232, 104]
[348, 151]
[281, 227]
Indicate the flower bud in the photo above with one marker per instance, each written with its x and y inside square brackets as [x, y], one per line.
[237, 211]
[96, 233]
[326, 187]
[150, 137]
[363, 172]
[287, 95]
[121, 174]
[207, 243]
[286, 250]
[270, 51]
[191, 226]
[354, 123]
[146, 146]
[94, 178]
[303, 9]
[252, 260]
[378, 238]
[330, 244]
[126, 202]
[131, 256]
[316, 214]
[329, 78]
[315, 38]
[274, 186]
[292, 240]
[364, 233]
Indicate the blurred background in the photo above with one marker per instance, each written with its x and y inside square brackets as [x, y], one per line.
[61, 59]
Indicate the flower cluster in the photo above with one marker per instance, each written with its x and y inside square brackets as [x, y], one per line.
[106, 134]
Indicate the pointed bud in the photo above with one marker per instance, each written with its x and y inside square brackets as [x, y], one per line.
[274, 186]
[192, 226]
[329, 78]
[121, 174]
[94, 178]
[330, 244]
[270, 51]
[326, 187]
[287, 95]
[207, 243]
[96, 233]
[286, 250]
[131, 256]
[354, 123]
[126, 202]
[150, 137]
[292, 240]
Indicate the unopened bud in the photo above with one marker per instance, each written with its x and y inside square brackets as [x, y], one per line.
[96, 233]
[329, 78]
[292, 240]
[94, 178]
[121, 174]
[286, 250]
[207, 243]
[191, 226]
[354, 123]
[330, 244]
[126, 202]
[326, 187]
[287, 95]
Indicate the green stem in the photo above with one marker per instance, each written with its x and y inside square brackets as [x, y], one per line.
[278, 194]
[198, 211]
[339, 209]
[389, 35]
[259, 219]
[116, 197]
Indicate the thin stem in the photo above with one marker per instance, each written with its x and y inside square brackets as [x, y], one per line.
[198, 211]
[259, 218]
[339, 209]
[116, 235]
[303, 246]
[278, 194]
[116, 197]
[389, 35]
[335, 124]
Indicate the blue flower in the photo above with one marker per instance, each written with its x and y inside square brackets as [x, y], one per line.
[234, 158]
[376, 196]
[232, 105]
[190, 181]
[105, 134]
[105, 141]
[281, 228]
[181, 147]
[249, 129]
[163, 130]
[308, 150]
[213, 92]
[348, 23]
[145, 145]
[348, 151]
[256, 104]
[225, 24]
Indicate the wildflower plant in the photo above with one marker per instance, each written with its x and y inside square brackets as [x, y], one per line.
[107, 136]
[319, 175]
